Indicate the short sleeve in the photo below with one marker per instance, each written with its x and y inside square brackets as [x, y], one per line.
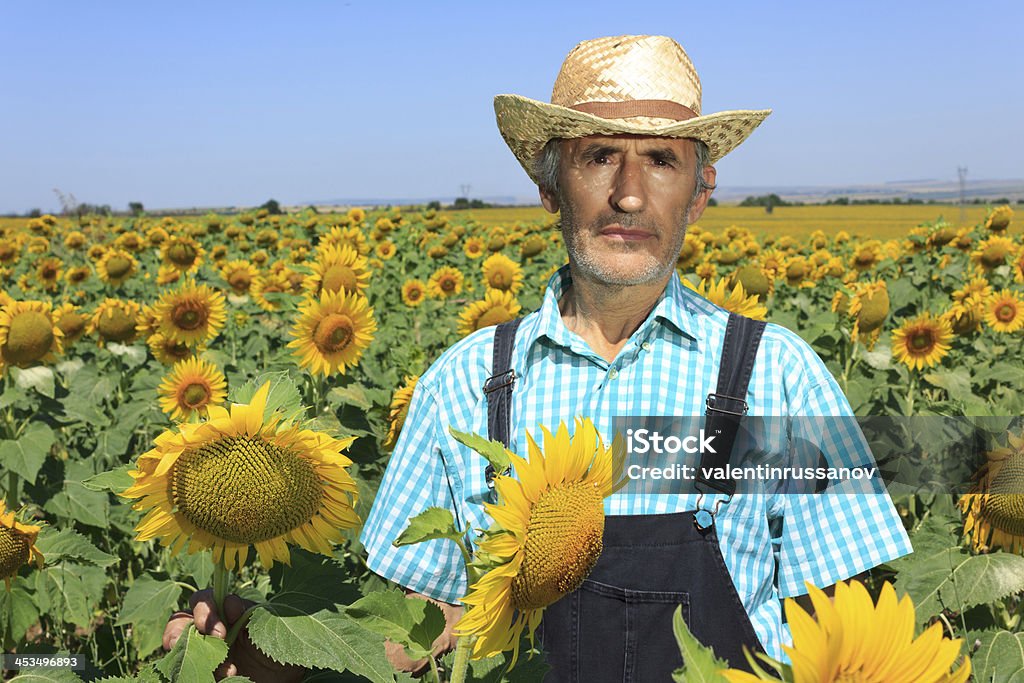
[415, 479]
[853, 525]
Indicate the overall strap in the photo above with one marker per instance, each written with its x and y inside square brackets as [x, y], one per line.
[727, 404]
[498, 387]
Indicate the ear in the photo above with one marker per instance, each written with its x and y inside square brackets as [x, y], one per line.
[700, 203]
[548, 199]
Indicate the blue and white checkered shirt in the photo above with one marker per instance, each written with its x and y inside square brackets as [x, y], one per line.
[667, 367]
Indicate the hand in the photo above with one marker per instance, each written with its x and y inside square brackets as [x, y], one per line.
[442, 644]
[244, 658]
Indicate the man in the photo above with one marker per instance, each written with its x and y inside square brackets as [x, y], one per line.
[623, 152]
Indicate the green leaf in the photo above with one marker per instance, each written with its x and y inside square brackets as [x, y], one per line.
[27, 454]
[326, 639]
[68, 544]
[432, 523]
[39, 378]
[18, 611]
[48, 676]
[146, 605]
[68, 598]
[86, 394]
[313, 582]
[115, 481]
[699, 662]
[879, 358]
[957, 382]
[194, 657]
[353, 395]
[493, 451]
[394, 616]
[284, 395]
[1000, 657]
[132, 356]
[951, 578]
[80, 504]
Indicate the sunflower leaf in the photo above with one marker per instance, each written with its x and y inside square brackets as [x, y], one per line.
[146, 605]
[284, 395]
[39, 378]
[26, 455]
[999, 657]
[411, 622]
[326, 639]
[493, 451]
[433, 523]
[18, 611]
[953, 579]
[115, 481]
[699, 662]
[194, 657]
[68, 544]
[47, 676]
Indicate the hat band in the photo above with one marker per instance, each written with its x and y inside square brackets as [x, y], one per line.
[662, 109]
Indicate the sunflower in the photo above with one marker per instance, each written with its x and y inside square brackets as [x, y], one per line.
[922, 342]
[131, 240]
[474, 247]
[48, 272]
[445, 282]
[1004, 312]
[994, 509]
[735, 300]
[869, 306]
[992, 252]
[244, 478]
[74, 240]
[798, 272]
[114, 320]
[182, 254]
[965, 317]
[867, 255]
[116, 266]
[496, 307]
[338, 269]
[192, 386]
[169, 351]
[192, 314]
[385, 250]
[70, 321]
[1018, 265]
[10, 250]
[532, 247]
[691, 253]
[352, 236]
[17, 545]
[356, 215]
[28, 334]
[546, 536]
[706, 270]
[399, 410]
[852, 639]
[77, 275]
[330, 334]
[999, 219]
[413, 292]
[270, 283]
[977, 287]
[239, 275]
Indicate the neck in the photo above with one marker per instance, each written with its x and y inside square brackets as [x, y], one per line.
[605, 316]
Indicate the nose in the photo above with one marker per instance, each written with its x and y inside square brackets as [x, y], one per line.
[628, 194]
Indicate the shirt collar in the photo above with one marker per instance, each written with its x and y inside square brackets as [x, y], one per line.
[674, 307]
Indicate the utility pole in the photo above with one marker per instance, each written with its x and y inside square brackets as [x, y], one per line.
[464, 190]
[961, 172]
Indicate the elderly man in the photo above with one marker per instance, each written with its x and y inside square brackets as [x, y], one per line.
[624, 153]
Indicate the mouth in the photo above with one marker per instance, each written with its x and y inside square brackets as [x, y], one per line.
[619, 232]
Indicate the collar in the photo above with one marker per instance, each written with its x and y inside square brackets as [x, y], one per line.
[674, 308]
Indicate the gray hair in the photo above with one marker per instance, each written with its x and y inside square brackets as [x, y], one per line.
[545, 166]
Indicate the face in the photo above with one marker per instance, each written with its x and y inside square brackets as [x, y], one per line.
[625, 204]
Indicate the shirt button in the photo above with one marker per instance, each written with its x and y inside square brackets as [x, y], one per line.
[613, 373]
[646, 346]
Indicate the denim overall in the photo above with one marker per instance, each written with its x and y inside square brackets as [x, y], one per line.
[618, 625]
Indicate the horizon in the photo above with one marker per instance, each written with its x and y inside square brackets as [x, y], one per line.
[231, 105]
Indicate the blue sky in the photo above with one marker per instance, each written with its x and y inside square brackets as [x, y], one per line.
[200, 104]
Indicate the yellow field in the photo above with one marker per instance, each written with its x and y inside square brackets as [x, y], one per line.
[878, 221]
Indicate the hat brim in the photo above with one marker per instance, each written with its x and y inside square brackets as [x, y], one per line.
[527, 125]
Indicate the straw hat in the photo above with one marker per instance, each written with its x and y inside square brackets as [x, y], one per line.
[644, 85]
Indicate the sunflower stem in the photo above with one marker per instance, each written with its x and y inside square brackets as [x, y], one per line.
[461, 664]
[12, 491]
[237, 627]
[221, 581]
[911, 390]
[433, 669]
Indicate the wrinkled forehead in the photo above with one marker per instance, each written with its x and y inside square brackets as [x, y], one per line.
[641, 144]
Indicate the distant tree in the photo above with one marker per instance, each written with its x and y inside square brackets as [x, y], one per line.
[1002, 200]
[136, 208]
[712, 202]
[34, 213]
[460, 203]
[435, 205]
[272, 207]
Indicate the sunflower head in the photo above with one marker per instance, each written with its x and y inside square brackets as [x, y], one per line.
[338, 268]
[546, 536]
[245, 477]
[181, 253]
[1004, 311]
[116, 266]
[191, 387]
[71, 322]
[399, 410]
[115, 320]
[192, 314]
[922, 342]
[28, 334]
[999, 219]
[496, 307]
[17, 545]
[445, 282]
[735, 299]
[869, 306]
[331, 333]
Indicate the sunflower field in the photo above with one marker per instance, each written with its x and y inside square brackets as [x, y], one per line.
[190, 402]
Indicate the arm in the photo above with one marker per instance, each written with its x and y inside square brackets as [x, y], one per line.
[442, 645]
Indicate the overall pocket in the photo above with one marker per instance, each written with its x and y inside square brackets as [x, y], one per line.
[625, 634]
